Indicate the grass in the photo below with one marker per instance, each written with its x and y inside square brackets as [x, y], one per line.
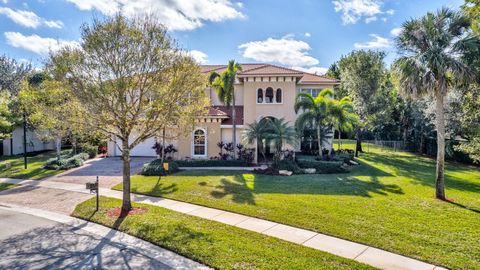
[5, 186]
[35, 168]
[211, 243]
[387, 202]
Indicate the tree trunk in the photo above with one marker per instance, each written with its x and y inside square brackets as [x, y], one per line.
[162, 156]
[339, 139]
[319, 143]
[126, 202]
[440, 181]
[58, 146]
[358, 147]
[234, 116]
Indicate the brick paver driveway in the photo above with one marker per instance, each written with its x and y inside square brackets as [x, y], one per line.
[109, 171]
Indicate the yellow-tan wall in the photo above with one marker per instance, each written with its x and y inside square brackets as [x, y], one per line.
[185, 143]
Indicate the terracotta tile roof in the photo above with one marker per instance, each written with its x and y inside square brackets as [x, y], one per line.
[268, 69]
[228, 111]
[212, 111]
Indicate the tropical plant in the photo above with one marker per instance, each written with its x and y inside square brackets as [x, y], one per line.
[315, 113]
[224, 84]
[342, 115]
[279, 132]
[255, 133]
[435, 51]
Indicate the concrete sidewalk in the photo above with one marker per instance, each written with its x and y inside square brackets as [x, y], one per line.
[39, 239]
[369, 255]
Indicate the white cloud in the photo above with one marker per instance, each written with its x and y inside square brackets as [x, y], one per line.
[199, 56]
[240, 4]
[37, 44]
[28, 18]
[354, 10]
[370, 19]
[5, 1]
[396, 31]
[376, 43]
[307, 34]
[313, 70]
[286, 51]
[174, 14]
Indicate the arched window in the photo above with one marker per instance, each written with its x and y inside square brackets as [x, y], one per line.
[278, 96]
[199, 143]
[260, 95]
[269, 95]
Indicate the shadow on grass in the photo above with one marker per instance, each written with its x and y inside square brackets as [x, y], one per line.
[421, 170]
[158, 189]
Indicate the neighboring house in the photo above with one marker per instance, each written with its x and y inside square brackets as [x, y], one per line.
[14, 144]
[261, 91]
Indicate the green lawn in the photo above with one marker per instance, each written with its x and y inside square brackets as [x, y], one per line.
[35, 168]
[214, 244]
[4, 186]
[387, 202]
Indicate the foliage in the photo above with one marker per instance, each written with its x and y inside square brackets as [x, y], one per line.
[472, 9]
[155, 168]
[133, 81]
[66, 162]
[279, 132]
[13, 166]
[256, 133]
[212, 163]
[437, 50]
[322, 166]
[91, 150]
[170, 150]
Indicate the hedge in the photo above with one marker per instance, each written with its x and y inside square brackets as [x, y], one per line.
[155, 168]
[66, 162]
[323, 166]
[212, 163]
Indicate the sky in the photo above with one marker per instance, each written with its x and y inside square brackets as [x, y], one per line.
[305, 34]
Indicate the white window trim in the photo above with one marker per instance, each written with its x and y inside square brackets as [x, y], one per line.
[206, 142]
[274, 97]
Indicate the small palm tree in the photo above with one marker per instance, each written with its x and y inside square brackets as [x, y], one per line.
[343, 117]
[256, 132]
[280, 132]
[315, 112]
[436, 49]
[224, 84]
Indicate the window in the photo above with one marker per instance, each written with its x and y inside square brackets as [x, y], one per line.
[278, 96]
[313, 92]
[269, 95]
[199, 143]
[260, 95]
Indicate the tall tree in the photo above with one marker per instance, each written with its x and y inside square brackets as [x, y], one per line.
[361, 74]
[256, 133]
[224, 84]
[342, 116]
[280, 133]
[435, 50]
[314, 113]
[132, 81]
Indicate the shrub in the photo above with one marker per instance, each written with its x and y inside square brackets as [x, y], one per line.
[66, 162]
[212, 163]
[322, 166]
[155, 168]
[289, 165]
[83, 156]
[91, 150]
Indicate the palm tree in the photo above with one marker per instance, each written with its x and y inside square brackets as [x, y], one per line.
[315, 113]
[435, 49]
[343, 117]
[256, 132]
[280, 132]
[224, 84]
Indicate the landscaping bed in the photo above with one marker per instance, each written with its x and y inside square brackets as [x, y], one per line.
[13, 167]
[212, 243]
[211, 163]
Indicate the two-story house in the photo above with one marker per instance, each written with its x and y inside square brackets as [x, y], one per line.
[261, 90]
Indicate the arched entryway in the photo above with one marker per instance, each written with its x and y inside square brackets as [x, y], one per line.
[264, 148]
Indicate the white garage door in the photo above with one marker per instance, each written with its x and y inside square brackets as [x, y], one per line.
[144, 149]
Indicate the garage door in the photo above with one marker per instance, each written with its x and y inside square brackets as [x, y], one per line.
[144, 149]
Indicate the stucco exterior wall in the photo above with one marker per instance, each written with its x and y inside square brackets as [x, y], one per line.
[34, 143]
[185, 143]
[214, 97]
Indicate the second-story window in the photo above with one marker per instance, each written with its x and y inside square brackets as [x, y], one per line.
[269, 95]
[278, 96]
[260, 95]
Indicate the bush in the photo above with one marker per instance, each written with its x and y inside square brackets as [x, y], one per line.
[155, 168]
[66, 162]
[323, 166]
[212, 163]
[289, 165]
[91, 150]
[83, 156]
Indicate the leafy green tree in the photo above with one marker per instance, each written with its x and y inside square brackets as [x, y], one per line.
[472, 9]
[132, 81]
[224, 85]
[435, 49]
[342, 116]
[362, 74]
[256, 133]
[314, 113]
